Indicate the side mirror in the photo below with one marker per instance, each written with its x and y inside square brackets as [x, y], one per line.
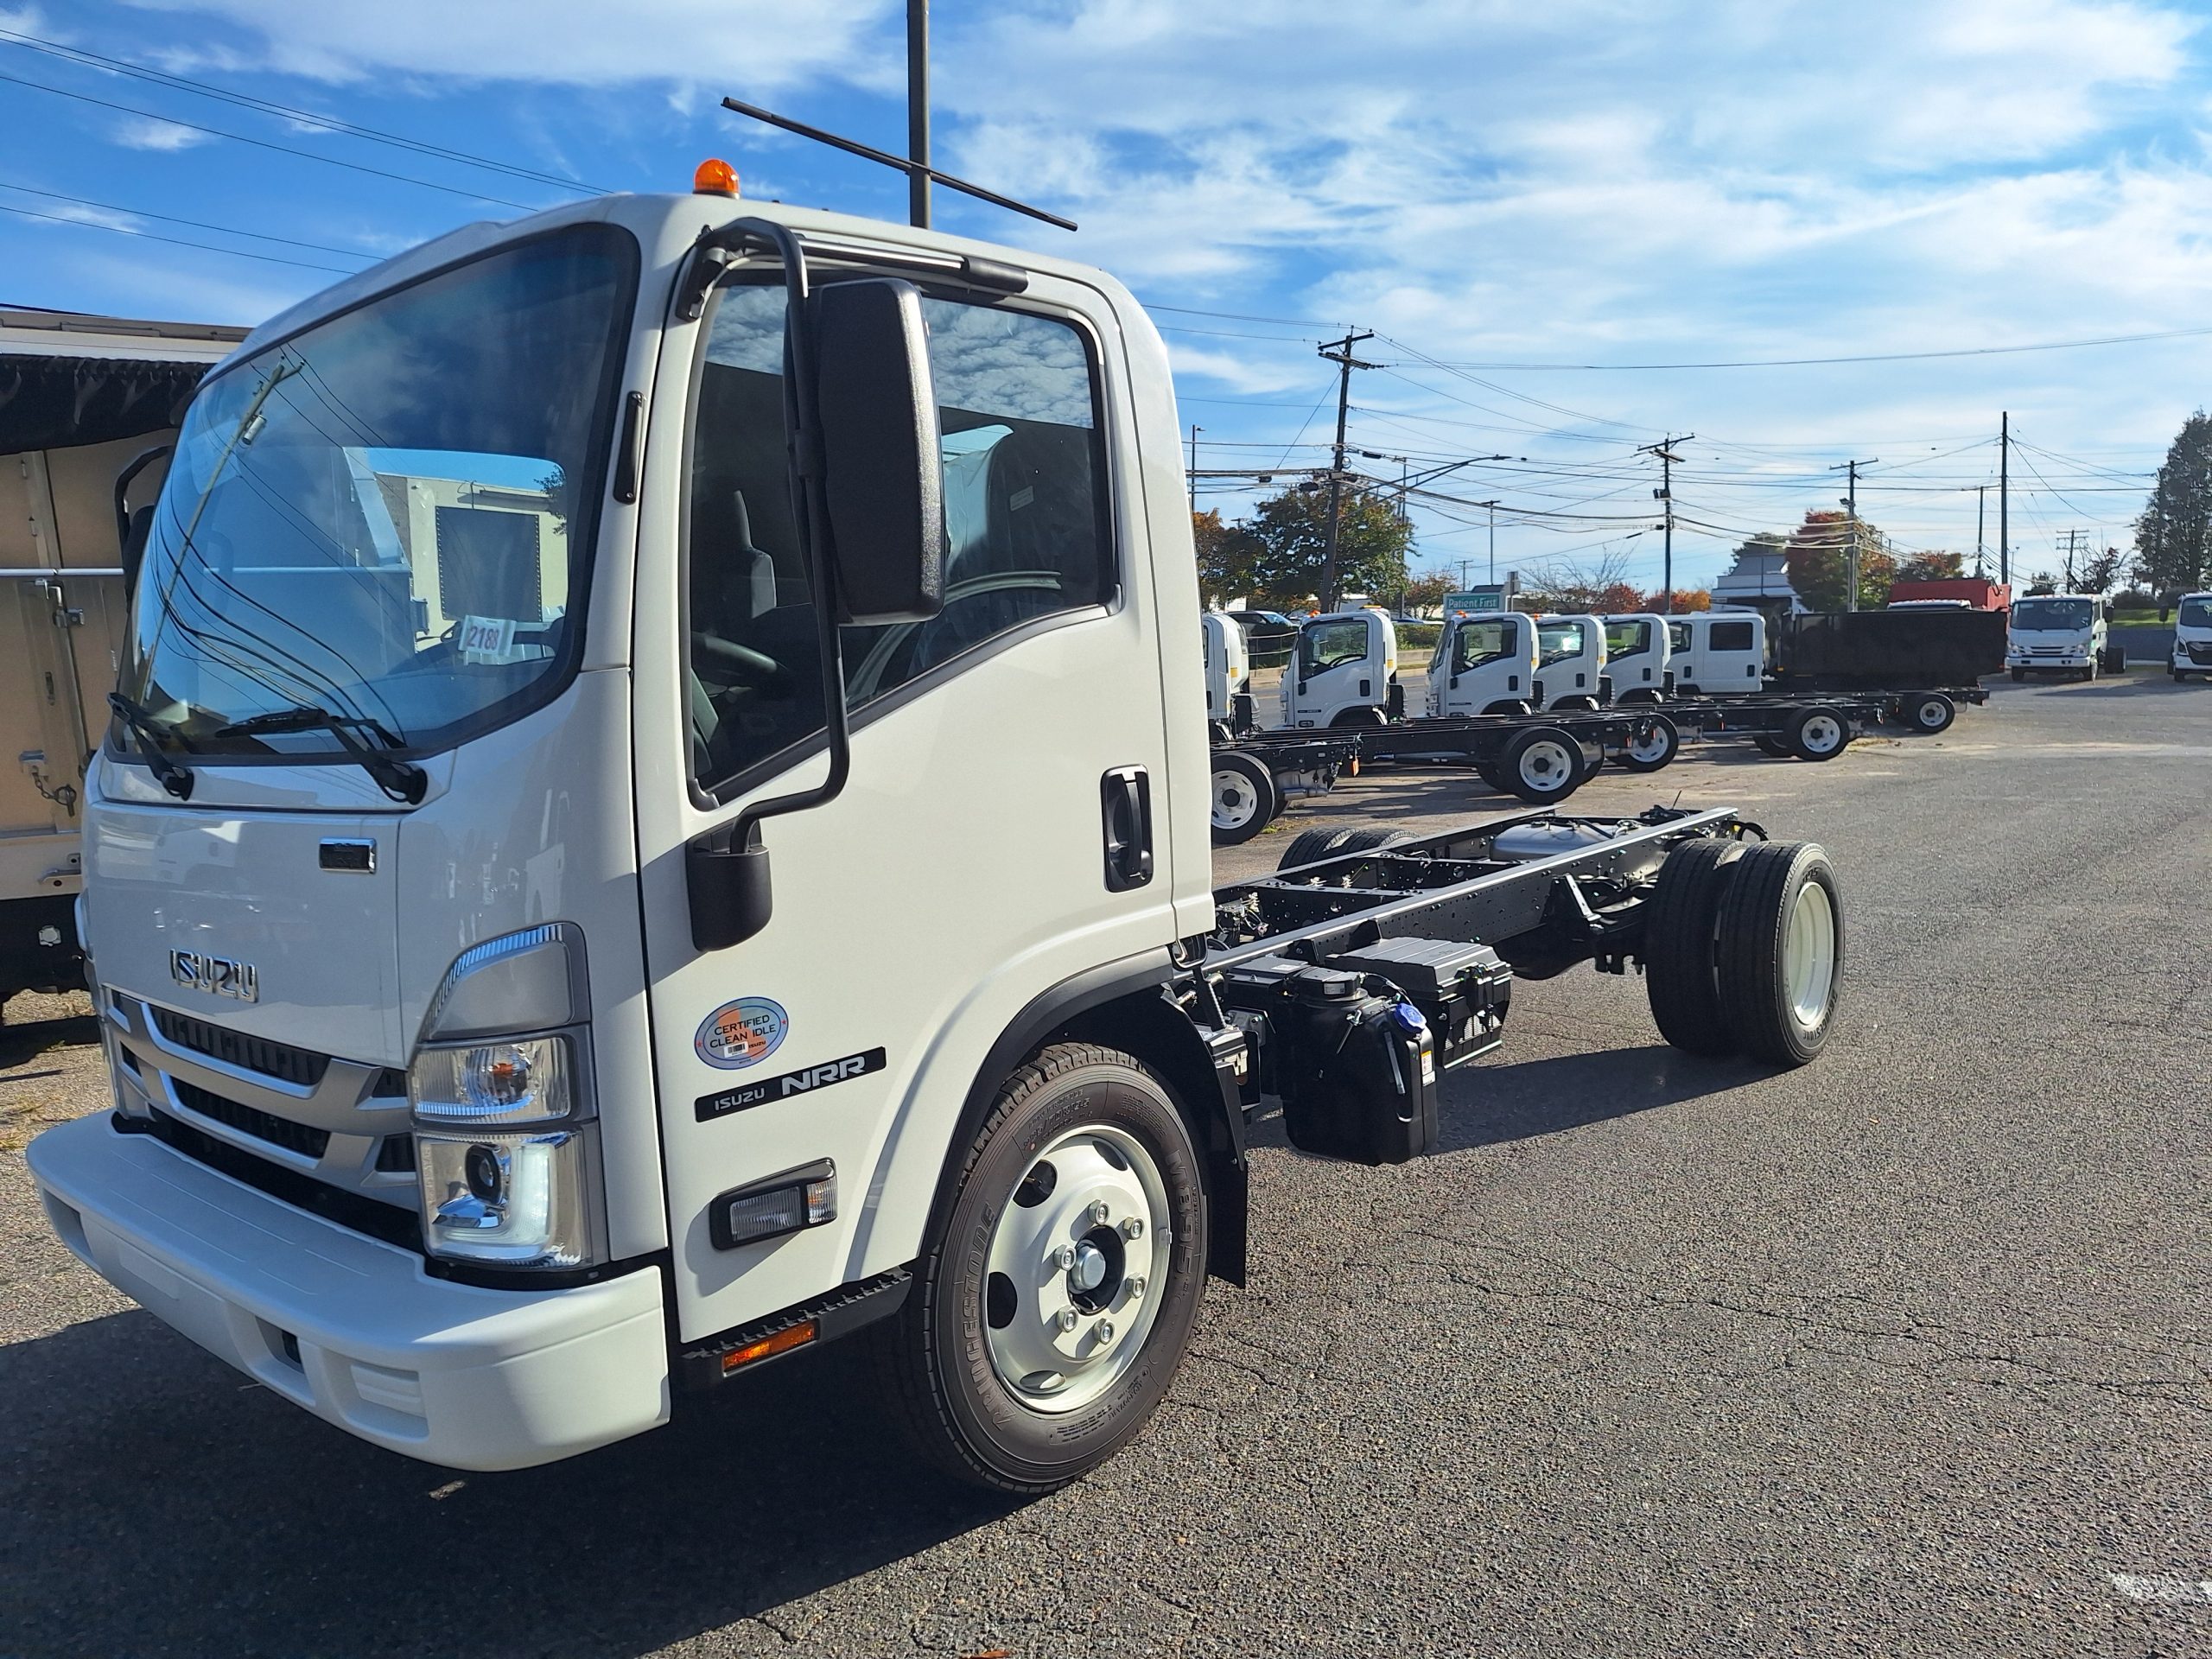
[881, 462]
[132, 528]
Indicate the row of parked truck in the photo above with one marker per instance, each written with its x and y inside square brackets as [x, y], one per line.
[1535, 705]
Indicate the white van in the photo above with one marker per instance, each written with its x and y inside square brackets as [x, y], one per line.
[2193, 636]
[1229, 672]
[2057, 634]
[1718, 652]
[1639, 656]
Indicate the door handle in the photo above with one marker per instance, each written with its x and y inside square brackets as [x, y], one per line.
[1125, 807]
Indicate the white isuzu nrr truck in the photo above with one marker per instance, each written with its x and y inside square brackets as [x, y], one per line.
[657, 814]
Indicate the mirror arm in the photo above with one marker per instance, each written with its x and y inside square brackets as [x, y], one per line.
[733, 903]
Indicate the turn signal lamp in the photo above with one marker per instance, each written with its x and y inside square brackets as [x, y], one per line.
[715, 177]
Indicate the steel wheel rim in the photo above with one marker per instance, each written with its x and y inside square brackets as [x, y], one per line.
[1822, 734]
[1931, 714]
[1544, 764]
[1235, 800]
[1652, 748]
[1060, 1255]
[1809, 954]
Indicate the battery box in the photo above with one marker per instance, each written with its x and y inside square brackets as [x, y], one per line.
[1463, 990]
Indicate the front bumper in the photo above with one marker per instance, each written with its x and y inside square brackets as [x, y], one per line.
[2069, 659]
[351, 1328]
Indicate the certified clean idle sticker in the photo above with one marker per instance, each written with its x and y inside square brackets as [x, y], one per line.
[741, 1033]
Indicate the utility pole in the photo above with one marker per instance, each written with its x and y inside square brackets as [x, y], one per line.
[2005, 497]
[1665, 451]
[917, 113]
[1980, 518]
[1851, 505]
[1345, 363]
[1492, 506]
[1195, 429]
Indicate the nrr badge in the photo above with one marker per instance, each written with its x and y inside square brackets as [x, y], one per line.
[741, 1033]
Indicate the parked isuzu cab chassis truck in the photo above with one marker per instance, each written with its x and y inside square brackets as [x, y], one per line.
[657, 814]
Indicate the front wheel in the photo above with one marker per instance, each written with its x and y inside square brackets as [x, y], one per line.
[1245, 799]
[1052, 1310]
[1819, 734]
[1930, 712]
[1652, 745]
[1543, 765]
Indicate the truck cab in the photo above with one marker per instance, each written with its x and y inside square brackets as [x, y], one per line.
[1570, 662]
[2057, 634]
[2193, 637]
[1228, 673]
[1344, 671]
[1484, 664]
[1718, 652]
[1639, 653]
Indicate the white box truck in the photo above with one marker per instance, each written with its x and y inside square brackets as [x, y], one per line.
[83, 401]
[657, 814]
[2192, 638]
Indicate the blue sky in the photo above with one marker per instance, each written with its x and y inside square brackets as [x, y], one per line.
[1488, 186]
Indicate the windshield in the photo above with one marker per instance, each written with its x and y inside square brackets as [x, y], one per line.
[2195, 613]
[1557, 641]
[2040, 614]
[1627, 638]
[388, 517]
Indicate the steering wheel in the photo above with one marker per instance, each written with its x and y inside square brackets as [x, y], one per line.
[753, 667]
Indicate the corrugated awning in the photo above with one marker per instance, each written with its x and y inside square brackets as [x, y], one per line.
[58, 402]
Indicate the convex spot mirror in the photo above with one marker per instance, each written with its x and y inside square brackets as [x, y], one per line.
[881, 465]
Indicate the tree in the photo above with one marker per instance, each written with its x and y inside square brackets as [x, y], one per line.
[1820, 566]
[1691, 599]
[1932, 567]
[1228, 558]
[2042, 583]
[1425, 593]
[1290, 533]
[2093, 572]
[2173, 538]
[1578, 587]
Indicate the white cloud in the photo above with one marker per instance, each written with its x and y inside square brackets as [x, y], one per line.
[148, 132]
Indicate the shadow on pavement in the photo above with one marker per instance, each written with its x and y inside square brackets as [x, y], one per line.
[156, 1501]
[1492, 1104]
[22, 1042]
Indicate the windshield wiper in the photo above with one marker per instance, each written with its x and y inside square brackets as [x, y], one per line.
[402, 780]
[172, 775]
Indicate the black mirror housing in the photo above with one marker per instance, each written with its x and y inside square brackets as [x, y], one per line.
[881, 462]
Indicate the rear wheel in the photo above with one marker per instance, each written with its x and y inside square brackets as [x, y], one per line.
[1312, 845]
[1930, 712]
[1656, 746]
[1493, 774]
[2019, 676]
[1679, 976]
[1819, 733]
[1780, 955]
[1245, 799]
[1543, 765]
[1768, 743]
[1052, 1310]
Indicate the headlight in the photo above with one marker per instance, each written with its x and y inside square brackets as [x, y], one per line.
[505, 1144]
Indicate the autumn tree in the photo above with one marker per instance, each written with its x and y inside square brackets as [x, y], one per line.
[2173, 538]
[1425, 593]
[1227, 558]
[1932, 567]
[1289, 532]
[1691, 599]
[1819, 562]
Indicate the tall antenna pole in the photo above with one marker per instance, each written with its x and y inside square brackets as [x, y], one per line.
[2005, 497]
[1195, 429]
[1345, 363]
[917, 112]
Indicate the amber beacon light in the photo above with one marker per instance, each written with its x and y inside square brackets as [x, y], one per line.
[715, 177]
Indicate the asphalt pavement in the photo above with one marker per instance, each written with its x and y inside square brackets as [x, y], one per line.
[1902, 1353]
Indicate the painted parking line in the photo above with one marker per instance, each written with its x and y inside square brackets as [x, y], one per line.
[2151, 1587]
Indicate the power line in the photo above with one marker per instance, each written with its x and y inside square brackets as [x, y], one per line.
[264, 143]
[1815, 362]
[171, 218]
[174, 241]
[266, 107]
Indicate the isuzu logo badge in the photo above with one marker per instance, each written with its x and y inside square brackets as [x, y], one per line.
[216, 976]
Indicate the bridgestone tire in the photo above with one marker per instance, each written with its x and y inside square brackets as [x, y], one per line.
[1679, 977]
[1817, 733]
[1665, 743]
[1930, 712]
[937, 1351]
[1778, 995]
[1544, 764]
[1245, 799]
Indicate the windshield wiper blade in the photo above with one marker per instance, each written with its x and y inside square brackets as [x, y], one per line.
[402, 780]
[172, 775]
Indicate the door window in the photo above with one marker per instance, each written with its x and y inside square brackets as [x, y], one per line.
[1678, 636]
[1026, 524]
[1331, 644]
[1730, 636]
[1477, 643]
[1627, 638]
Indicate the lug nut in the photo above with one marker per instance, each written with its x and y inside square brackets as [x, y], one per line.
[1067, 1319]
[1104, 1332]
[1133, 1228]
[1136, 1286]
[1098, 1213]
[1063, 1258]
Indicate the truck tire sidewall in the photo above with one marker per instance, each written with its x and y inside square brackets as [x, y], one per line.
[1014, 1446]
[1752, 951]
[1659, 754]
[1265, 805]
[1820, 735]
[1933, 712]
[1541, 749]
